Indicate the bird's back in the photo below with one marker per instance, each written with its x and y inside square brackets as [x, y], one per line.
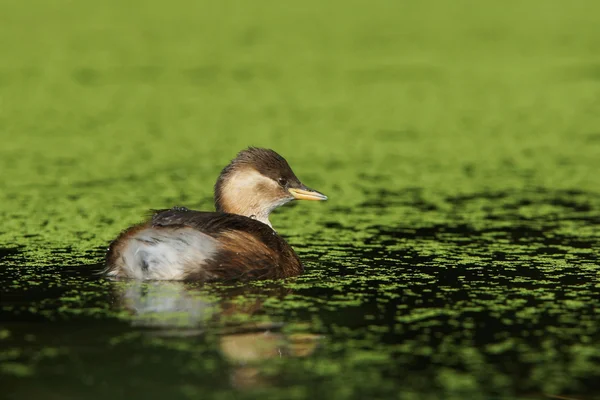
[179, 244]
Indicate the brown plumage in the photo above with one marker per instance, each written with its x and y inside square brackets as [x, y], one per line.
[236, 242]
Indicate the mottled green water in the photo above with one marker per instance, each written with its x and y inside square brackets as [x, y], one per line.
[459, 143]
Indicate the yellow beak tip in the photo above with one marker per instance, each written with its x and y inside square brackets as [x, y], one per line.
[302, 194]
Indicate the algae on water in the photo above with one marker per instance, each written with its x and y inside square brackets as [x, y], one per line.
[458, 143]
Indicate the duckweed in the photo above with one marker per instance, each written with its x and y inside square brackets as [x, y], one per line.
[458, 143]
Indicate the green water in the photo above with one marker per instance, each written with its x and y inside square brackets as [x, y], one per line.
[459, 145]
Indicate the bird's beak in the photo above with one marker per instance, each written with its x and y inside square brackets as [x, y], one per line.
[304, 193]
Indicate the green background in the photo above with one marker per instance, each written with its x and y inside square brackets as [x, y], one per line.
[458, 143]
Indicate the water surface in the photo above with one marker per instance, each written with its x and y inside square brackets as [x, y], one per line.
[457, 256]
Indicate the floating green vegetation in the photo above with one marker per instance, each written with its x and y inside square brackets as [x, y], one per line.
[458, 143]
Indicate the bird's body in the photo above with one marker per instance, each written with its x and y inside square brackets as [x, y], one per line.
[235, 242]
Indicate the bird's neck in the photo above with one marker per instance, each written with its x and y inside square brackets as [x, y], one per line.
[238, 208]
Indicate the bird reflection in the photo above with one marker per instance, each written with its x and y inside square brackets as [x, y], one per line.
[174, 308]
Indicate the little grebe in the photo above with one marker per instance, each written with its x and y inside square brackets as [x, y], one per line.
[235, 242]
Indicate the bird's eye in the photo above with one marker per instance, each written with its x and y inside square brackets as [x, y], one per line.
[282, 181]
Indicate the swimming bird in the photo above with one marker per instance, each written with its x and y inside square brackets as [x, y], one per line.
[237, 242]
